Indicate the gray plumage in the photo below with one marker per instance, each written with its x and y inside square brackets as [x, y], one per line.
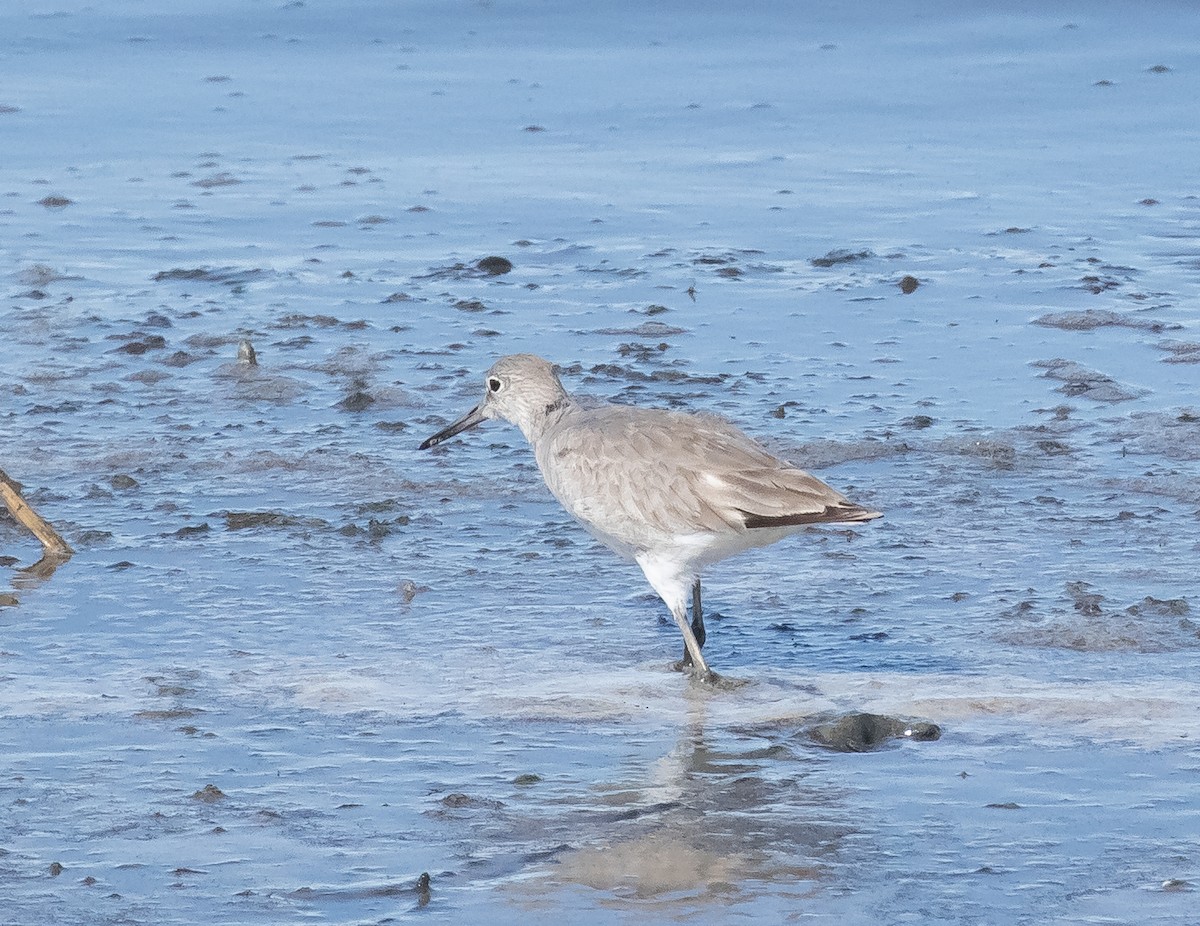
[673, 491]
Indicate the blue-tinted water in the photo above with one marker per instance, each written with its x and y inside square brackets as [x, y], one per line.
[387, 662]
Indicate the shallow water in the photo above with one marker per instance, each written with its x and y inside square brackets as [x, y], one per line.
[387, 662]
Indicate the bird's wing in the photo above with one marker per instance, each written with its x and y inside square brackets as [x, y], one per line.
[635, 472]
[756, 489]
[617, 469]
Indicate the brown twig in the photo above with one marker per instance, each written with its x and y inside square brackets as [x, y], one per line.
[53, 544]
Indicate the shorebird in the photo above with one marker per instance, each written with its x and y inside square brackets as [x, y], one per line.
[672, 491]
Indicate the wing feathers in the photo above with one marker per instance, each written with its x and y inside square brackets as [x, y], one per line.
[670, 473]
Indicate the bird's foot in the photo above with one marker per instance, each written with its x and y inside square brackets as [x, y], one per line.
[687, 667]
[707, 677]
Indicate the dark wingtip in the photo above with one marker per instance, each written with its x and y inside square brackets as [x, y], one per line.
[828, 516]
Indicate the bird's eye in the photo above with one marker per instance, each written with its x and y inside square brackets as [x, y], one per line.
[494, 384]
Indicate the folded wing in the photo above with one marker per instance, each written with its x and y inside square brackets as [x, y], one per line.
[640, 470]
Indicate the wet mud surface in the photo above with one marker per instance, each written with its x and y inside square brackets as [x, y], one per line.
[298, 670]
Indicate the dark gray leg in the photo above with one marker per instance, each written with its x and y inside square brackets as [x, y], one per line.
[697, 622]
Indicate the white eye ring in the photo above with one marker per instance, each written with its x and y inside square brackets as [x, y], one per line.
[494, 383]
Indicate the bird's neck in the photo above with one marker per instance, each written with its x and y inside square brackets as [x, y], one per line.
[536, 425]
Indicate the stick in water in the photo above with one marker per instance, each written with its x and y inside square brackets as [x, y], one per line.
[51, 541]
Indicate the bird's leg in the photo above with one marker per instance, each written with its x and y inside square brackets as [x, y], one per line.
[691, 645]
[697, 622]
[664, 576]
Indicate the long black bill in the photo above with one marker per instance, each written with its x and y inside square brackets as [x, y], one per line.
[471, 419]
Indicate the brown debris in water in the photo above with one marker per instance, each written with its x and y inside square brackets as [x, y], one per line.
[51, 541]
[216, 180]
[1078, 380]
[491, 266]
[841, 256]
[179, 713]
[494, 266]
[190, 531]
[1151, 625]
[209, 794]
[1090, 319]
[245, 520]
[1181, 351]
[864, 732]
[358, 401]
[234, 277]
[457, 800]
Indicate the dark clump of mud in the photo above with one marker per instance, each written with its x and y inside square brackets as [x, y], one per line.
[862, 732]
[491, 266]
[632, 374]
[494, 266]
[645, 330]
[357, 401]
[421, 889]
[644, 353]
[1090, 319]
[374, 530]
[1173, 435]
[179, 360]
[214, 181]
[175, 713]
[457, 800]
[1151, 625]
[245, 520]
[822, 454]
[139, 347]
[1181, 351]
[42, 275]
[209, 794]
[235, 277]
[1078, 380]
[190, 531]
[841, 256]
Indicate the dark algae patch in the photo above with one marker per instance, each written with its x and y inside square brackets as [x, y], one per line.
[494, 266]
[842, 256]
[864, 732]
